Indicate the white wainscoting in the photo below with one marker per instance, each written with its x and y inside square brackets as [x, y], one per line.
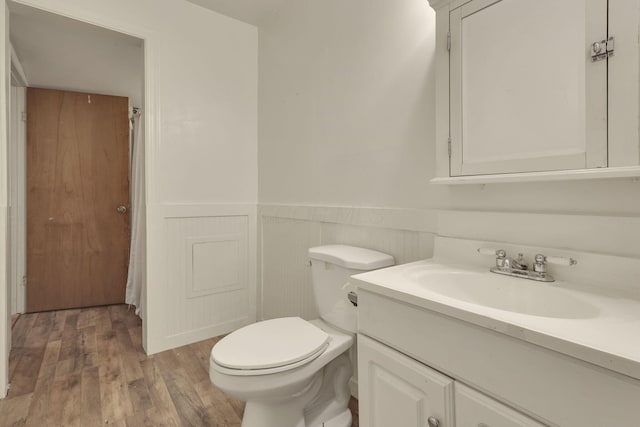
[286, 276]
[5, 293]
[17, 200]
[209, 288]
[399, 219]
[288, 231]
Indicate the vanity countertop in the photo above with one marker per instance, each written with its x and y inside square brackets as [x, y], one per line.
[601, 326]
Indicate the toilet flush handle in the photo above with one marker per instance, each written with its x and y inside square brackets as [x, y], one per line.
[350, 291]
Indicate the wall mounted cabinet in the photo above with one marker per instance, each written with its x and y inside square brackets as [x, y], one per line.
[537, 89]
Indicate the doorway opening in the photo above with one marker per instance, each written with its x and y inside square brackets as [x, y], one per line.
[76, 164]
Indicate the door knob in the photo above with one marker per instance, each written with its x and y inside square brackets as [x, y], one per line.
[121, 209]
[433, 422]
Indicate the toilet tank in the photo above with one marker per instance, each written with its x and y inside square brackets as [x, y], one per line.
[331, 268]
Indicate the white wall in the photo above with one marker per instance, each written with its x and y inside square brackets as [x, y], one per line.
[201, 143]
[347, 149]
[250, 11]
[17, 217]
[347, 109]
[347, 103]
[5, 295]
[346, 112]
[345, 98]
[287, 232]
[62, 53]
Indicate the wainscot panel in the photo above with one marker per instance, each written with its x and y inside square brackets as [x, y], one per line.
[210, 281]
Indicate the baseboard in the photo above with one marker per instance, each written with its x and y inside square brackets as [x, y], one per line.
[186, 338]
[14, 319]
[353, 385]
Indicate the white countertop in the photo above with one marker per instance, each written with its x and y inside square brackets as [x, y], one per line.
[608, 335]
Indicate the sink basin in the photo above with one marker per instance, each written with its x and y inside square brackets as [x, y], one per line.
[504, 293]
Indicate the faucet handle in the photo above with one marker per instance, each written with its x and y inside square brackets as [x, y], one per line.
[567, 262]
[541, 261]
[500, 253]
[540, 264]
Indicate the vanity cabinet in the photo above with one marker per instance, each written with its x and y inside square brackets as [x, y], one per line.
[410, 358]
[474, 409]
[396, 390]
[536, 86]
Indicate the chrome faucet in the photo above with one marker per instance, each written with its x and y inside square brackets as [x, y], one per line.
[517, 267]
[514, 264]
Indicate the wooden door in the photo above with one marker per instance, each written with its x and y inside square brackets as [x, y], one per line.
[77, 177]
[395, 390]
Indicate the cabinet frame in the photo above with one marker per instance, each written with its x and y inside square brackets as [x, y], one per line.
[436, 386]
[595, 154]
[466, 397]
[623, 150]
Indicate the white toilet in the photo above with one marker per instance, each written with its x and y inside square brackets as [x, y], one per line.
[292, 372]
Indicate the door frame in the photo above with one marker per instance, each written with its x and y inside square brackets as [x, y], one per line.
[151, 132]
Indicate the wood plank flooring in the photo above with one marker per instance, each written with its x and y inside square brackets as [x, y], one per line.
[87, 368]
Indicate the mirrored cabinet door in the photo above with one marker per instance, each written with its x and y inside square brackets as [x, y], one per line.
[526, 95]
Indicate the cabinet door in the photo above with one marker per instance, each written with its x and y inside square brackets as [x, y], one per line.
[525, 95]
[474, 409]
[395, 390]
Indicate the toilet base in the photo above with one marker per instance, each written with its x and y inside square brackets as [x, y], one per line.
[287, 413]
[323, 403]
[259, 415]
[341, 420]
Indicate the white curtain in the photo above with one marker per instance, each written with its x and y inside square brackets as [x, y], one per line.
[137, 255]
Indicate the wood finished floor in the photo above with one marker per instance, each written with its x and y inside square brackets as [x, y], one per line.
[87, 368]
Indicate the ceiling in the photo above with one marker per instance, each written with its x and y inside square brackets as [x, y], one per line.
[249, 11]
[61, 53]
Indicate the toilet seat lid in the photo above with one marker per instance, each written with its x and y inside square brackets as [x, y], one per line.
[270, 344]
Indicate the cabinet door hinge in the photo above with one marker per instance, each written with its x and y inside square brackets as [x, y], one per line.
[24, 116]
[449, 41]
[449, 146]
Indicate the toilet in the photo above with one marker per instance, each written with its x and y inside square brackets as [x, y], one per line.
[292, 372]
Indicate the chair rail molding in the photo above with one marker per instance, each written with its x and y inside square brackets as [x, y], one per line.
[423, 220]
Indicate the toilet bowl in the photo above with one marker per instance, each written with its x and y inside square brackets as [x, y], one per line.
[281, 396]
[292, 372]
